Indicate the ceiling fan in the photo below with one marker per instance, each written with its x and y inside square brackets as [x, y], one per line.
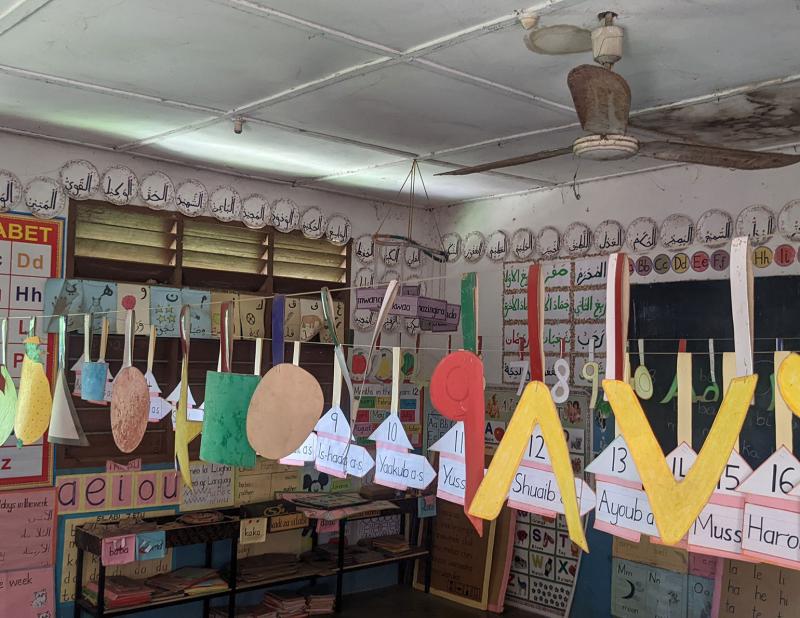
[602, 101]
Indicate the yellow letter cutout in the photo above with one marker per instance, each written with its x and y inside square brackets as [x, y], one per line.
[676, 505]
[535, 407]
[789, 382]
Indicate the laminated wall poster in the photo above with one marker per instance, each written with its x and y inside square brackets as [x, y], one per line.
[30, 254]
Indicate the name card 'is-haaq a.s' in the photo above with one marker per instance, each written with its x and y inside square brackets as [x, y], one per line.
[677, 504]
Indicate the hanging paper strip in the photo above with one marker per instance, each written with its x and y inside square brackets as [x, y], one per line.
[185, 430]
[65, 426]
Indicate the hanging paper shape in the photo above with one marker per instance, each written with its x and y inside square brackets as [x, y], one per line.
[94, 375]
[77, 369]
[130, 401]
[62, 297]
[193, 411]
[303, 454]
[99, 299]
[34, 401]
[271, 432]
[135, 297]
[642, 380]
[165, 308]
[65, 426]
[452, 476]
[228, 396]
[185, 430]
[535, 407]
[159, 407]
[199, 303]
[8, 391]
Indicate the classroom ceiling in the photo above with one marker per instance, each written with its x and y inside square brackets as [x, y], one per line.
[343, 95]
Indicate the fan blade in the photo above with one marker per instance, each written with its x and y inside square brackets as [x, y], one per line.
[602, 99]
[716, 155]
[485, 167]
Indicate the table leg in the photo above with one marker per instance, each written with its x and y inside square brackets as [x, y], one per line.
[234, 575]
[340, 565]
[76, 612]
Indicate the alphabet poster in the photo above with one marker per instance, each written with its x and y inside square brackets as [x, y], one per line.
[30, 254]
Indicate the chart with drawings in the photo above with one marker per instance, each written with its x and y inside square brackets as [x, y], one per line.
[30, 254]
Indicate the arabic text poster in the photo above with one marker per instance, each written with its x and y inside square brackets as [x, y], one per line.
[30, 254]
[28, 528]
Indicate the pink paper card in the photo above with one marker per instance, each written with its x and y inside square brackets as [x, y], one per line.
[146, 489]
[29, 593]
[119, 550]
[121, 490]
[324, 526]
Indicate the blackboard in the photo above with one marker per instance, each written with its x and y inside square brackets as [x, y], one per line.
[662, 313]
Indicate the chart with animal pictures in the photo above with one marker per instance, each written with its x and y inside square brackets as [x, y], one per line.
[30, 253]
[574, 312]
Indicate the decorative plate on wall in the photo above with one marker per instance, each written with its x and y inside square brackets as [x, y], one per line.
[364, 249]
[363, 319]
[256, 212]
[642, 234]
[339, 230]
[413, 257]
[119, 185]
[313, 223]
[285, 215]
[412, 326]
[79, 179]
[391, 323]
[156, 190]
[390, 255]
[577, 239]
[474, 246]
[549, 241]
[364, 278]
[714, 228]
[497, 246]
[452, 246]
[45, 198]
[757, 222]
[11, 194]
[788, 220]
[523, 243]
[191, 198]
[677, 232]
[609, 236]
[225, 203]
[389, 275]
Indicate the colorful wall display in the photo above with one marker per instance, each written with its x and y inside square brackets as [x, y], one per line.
[374, 409]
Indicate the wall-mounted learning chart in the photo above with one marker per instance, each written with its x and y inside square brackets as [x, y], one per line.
[758, 591]
[30, 253]
[374, 408]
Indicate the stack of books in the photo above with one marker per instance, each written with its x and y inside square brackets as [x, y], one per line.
[255, 569]
[120, 592]
[251, 611]
[287, 604]
[395, 544]
[320, 604]
[189, 580]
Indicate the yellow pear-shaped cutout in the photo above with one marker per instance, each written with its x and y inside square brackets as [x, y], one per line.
[535, 406]
[185, 430]
[789, 382]
[675, 504]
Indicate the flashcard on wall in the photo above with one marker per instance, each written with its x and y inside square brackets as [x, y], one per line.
[251, 314]
[451, 482]
[119, 550]
[136, 297]
[99, 298]
[165, 310]
[615, 464]
[63, 297]
[451, 443]
[252, 530]
[536, 491]
[151, 545]
[401, 470]
[338, 321]
[775, 478]
[311, 318]
[339, 458]
[623, 511]
[334, 424]
[200, 312]
[291, 319]
[28, 593]
[391, 432]
[217, 300]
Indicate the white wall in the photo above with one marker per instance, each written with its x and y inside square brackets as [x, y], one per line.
[688, 190]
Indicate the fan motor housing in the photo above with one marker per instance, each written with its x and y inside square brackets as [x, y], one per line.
[605, 147]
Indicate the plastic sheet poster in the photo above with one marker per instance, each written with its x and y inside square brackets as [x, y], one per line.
[374, 408]
[30, 254]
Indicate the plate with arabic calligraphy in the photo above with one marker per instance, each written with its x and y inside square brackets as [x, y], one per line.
[339, 230]
[364, 278]
[391, 323]
[285, 215]
[577, 239]
[523, 243]
[191, 198]
[451, 243]
[313, 223]
[757, 222]
[714, 228]
[474, 246]
[157, 190]
[414, 258]
[80, 179]
[45, 198]
[609, 236]
[225, 203]
[363, 319]
[549, 241]
[10, 191]
[256, 211]
[390, 255]
[677, 232]
[119, 185]
[364, 249]
[788, 220]
[642, 234]
[497, 246]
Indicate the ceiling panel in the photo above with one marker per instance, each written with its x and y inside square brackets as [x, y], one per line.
[385, 182]
[195, 51]
[412, 109]
[266, 150]
[90, 117]
[673, 50]
[399, 25]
